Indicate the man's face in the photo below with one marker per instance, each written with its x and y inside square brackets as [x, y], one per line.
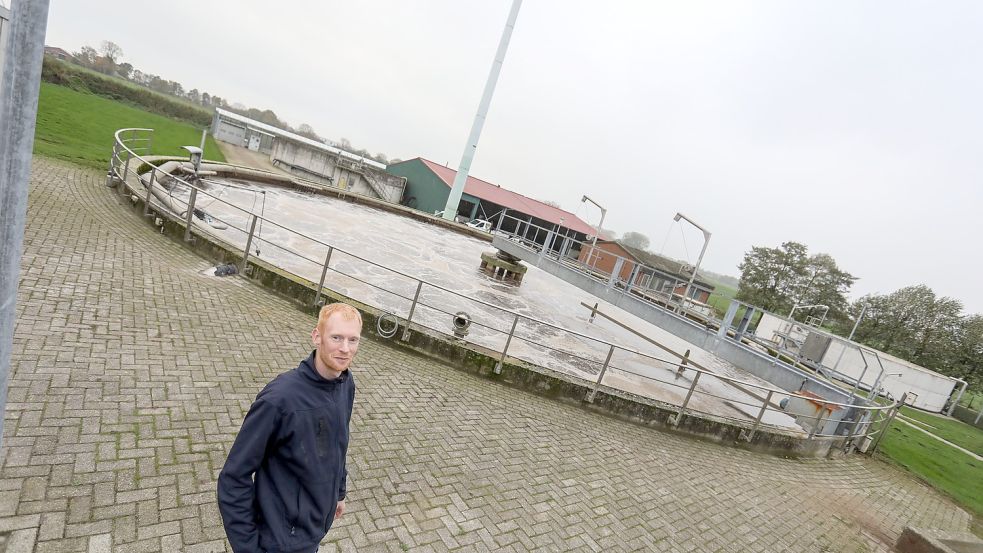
[336, 341]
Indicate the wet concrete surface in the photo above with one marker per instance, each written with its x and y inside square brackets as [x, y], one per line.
[378, 257]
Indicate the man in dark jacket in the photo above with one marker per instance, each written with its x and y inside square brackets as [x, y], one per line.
[284, 482]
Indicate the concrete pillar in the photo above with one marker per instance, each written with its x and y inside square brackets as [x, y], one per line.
[728, 318]
[619, 262]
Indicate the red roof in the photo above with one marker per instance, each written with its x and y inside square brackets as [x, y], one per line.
[512, 200]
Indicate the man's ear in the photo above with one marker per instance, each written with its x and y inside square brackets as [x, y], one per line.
[315, 338]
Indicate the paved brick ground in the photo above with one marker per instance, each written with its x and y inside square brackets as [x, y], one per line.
[132, 372]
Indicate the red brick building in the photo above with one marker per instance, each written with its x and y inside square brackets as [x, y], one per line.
[645, 271]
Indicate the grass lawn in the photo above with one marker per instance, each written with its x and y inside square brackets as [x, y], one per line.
[79, 127]
[721, 296]
[971, 400]
[957, 432]
[944, 468]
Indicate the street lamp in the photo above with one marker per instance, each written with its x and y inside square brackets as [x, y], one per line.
[454, 198]
[706, 241]
[597, 231]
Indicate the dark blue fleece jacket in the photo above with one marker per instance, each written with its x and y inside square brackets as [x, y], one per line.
[286, 470]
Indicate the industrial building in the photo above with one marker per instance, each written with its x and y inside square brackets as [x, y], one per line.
[307, 158]
[428, 186]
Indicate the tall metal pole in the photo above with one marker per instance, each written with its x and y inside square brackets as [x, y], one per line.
[19, 86]
[450, 209]
[856, 324]
[706, 242]
[597, 231]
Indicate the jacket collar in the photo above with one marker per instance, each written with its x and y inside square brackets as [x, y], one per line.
[308, 370]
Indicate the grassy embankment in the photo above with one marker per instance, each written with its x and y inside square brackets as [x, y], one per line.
[78, 126]
[945, 468]
[117, 88]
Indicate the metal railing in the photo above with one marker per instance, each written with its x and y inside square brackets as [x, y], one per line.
[683, 385]
[548, 242]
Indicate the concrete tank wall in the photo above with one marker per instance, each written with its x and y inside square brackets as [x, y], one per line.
[326, 167]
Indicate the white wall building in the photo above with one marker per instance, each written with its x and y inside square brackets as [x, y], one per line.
[851, 362]
[309, 159]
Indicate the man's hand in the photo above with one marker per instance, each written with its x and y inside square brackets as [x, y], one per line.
[340, 510]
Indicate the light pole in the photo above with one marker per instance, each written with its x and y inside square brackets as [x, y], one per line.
[454, 198]
[706, 241]
[856, 324]
[597, 231]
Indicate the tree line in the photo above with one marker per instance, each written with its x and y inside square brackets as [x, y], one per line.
[913, 323]
[108, 61]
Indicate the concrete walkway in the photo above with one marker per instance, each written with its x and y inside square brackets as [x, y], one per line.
[132, 371]
[237, 155]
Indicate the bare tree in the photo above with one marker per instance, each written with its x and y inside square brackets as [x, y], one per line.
[635, 240]
[87, 56]
[308, 131]
[124, 69]
[111, 51]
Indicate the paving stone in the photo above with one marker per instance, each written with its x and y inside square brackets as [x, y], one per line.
[101, 543]
[21, 541]
[131, 372]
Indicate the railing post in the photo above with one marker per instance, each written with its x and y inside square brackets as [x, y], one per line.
[761, 414]
[249, 243]
[111, 174]
[324, 272]
[126, 170]
[150, 187]
[682, 410]
[682, 365]
[852, 434]
[600, 377]
[887, 424]
[546, 243]
[416, 298]
[819, 422]
[498, 366]
[191, 212]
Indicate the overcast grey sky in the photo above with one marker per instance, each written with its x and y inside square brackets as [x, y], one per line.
[852, 127]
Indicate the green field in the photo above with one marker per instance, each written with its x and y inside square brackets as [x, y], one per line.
[85, 80]
[941, 466]
[950, 429]
[721, 296]
[79, 127]
[971, 400]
